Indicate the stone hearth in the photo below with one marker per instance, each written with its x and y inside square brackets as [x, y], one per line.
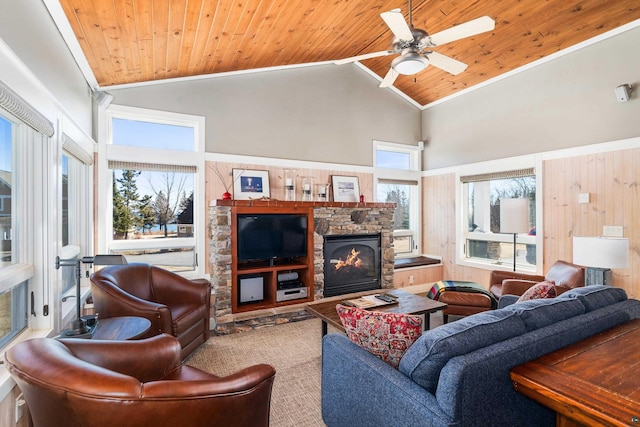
[329, 219]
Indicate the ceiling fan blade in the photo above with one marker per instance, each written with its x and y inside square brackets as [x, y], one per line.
[363, 57]
[389, 78]
[468, 29]
[397, 24]
[446, 63]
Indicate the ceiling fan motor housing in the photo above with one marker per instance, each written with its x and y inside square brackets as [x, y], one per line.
[420, 41]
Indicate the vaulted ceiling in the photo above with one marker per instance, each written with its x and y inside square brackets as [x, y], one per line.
[134, 41]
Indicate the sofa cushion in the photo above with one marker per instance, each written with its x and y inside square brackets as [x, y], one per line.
[386, 335]
[596, 296]
[538, 313]
[546, 289]
[424, 360]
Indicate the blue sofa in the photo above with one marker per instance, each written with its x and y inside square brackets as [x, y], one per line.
[458, 374]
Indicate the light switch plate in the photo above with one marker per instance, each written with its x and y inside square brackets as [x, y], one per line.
[583, 198]
[612, 231]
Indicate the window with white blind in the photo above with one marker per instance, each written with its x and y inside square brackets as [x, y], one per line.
[397, 178]
[16, 271]
[482, 241]
[155, 209]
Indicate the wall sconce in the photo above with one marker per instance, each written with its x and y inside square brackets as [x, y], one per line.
[80, 328]
[623, 92]
[514, 218]
[600, 255]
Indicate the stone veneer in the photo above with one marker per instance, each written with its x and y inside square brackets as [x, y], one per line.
[329, 219]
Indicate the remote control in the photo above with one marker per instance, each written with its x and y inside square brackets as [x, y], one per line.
[385, 298]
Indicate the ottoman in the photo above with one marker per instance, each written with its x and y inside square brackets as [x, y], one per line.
[462, 298]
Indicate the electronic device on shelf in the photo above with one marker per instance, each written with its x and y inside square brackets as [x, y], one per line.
[268, 237]
[290, 287]
[251, 288]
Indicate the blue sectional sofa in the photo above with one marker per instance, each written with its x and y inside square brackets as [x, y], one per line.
[458, 374]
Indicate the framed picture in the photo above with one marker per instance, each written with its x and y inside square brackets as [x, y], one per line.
[250, 184]
[345, 188]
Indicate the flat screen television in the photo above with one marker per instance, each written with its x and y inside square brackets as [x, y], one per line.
[271, 236]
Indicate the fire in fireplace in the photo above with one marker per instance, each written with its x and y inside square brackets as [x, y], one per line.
[351, 263]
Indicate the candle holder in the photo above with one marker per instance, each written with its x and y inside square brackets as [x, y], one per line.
[290, 185]
[322, 192]
[307, 189]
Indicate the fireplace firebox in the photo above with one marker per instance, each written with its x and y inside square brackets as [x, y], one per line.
[351, 263]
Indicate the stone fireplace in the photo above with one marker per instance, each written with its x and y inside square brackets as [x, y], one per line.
[330, 219]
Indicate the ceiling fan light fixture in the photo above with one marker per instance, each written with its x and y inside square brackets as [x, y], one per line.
[410, 63]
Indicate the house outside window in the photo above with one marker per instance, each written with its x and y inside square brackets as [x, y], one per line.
[155, 207]
[482, 242]
[397, 180]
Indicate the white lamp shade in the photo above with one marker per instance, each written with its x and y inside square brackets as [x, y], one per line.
[514, 216]
[601, 252]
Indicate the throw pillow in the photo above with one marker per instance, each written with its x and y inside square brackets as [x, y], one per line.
[541, 290]
[386, 335]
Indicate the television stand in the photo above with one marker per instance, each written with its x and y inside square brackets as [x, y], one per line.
[270, 269]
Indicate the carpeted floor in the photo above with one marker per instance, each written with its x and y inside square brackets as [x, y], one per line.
[294, 349]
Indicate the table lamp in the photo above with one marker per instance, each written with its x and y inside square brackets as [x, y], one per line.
[514, 218]
[599, 255]
[80, 328]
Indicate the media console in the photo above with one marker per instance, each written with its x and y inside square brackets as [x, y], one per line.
[280, 281]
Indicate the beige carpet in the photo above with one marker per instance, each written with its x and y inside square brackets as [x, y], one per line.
[294, 349]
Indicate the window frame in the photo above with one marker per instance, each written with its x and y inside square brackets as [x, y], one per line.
[108, 151]
[462, 232]
[413, 174]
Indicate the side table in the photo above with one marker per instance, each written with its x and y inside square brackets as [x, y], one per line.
[121, 328]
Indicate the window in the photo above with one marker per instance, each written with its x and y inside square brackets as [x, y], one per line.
[74, 170]
[483, 242]
[397, 178]
[6, 156]
[13, 286]
[155, 212]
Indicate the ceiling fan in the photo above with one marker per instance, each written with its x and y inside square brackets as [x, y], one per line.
[415, 46]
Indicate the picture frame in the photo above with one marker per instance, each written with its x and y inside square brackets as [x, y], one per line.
[345, 188]
[250, 184]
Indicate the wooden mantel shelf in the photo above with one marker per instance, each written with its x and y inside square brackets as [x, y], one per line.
[297, 204]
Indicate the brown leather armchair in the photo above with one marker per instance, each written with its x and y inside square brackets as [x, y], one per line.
[93, 383]
[173, 304]
[565, 276]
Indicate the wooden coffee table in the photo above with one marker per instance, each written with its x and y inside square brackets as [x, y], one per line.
[408, 303]
[592, 382]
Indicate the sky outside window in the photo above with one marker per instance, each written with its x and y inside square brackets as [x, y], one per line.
[137, 133]
[393, 160]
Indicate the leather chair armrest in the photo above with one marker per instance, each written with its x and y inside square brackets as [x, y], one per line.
[516, 286]
[499, 276]
[117, 355]
[181, 382]
[111, 301]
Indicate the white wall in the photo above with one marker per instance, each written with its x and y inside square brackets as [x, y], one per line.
[325, 113]
[563, 103]
[45, 73]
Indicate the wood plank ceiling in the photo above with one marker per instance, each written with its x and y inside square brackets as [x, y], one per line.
[132, 41]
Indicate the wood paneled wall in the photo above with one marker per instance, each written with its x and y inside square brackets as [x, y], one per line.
[612, 179]
[214, 186]
[439, 228]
